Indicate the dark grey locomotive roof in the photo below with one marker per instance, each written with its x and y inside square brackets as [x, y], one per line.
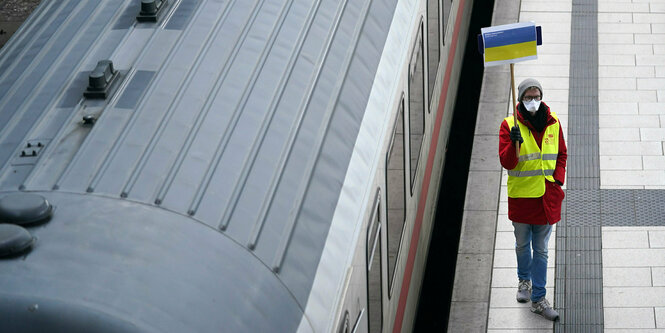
[240, 115]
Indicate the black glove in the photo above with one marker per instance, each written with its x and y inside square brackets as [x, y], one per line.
[515, 135]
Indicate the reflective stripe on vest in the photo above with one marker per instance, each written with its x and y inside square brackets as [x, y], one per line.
[527, 179]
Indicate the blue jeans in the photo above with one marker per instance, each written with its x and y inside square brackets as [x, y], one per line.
[528, 268]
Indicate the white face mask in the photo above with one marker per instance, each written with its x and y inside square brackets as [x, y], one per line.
[532, 106]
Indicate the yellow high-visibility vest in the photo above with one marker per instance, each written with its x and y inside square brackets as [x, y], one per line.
[527, 180]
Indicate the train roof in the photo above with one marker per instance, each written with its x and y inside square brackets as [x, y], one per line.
[231, 121]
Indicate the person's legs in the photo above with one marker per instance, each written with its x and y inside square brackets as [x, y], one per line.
[540, 239]
[523, 250]
[534, 269]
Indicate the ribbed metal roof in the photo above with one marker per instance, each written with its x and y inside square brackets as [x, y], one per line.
[241, 114]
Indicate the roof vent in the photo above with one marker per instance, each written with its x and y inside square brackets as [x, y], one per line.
[24, 209]
[32, 149]
[89, 120]
[14, 240]
[101, 79]
[150, 10]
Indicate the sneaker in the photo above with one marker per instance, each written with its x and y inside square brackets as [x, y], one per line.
[543, 308]
[524, 291]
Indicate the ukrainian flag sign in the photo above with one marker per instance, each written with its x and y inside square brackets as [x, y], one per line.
[509, 43]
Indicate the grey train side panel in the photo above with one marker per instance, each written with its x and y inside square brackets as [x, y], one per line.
[328, 175]
[211, 174]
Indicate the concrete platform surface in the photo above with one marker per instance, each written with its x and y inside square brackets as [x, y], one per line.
[602, 68]
[12, 15]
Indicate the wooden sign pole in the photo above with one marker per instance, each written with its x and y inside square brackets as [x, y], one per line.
[512, 89]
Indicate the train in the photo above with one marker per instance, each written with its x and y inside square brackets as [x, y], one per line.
[223, 165]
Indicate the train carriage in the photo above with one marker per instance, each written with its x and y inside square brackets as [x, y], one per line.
[223, 165]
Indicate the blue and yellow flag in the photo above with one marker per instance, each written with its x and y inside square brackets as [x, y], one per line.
[509, 43]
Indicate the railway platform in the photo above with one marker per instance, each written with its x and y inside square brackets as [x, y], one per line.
[12, 15]
[602, 68]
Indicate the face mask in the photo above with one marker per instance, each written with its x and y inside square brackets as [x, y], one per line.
[532, 106]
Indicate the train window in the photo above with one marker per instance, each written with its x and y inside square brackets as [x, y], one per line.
[396, 189]
[433, 41]
[374, 280]
[373, 230]
[416, 104]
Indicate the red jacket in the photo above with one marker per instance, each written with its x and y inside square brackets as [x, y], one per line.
[546, 209]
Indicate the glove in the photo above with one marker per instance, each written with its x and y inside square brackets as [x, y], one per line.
[515, 135]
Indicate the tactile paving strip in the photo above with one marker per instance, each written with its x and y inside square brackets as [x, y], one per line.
[579, 280]
[583, 161]
[578, 292]
[615, 207]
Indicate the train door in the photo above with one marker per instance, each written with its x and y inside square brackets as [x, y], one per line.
[396, 179]
[375, 270]
[417, 105]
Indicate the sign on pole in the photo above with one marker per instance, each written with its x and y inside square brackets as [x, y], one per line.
[509, 43]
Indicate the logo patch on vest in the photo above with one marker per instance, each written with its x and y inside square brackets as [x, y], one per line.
[549, 139]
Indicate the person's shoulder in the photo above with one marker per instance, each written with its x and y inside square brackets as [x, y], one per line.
[551, 115]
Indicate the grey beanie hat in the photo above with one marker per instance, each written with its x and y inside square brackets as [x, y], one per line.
[526, 84]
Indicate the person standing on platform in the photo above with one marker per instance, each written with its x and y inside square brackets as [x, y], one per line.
[534, 188]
